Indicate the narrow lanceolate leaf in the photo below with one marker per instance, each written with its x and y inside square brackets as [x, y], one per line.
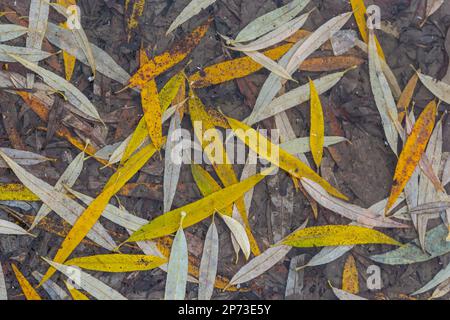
[192, 9]
[10, 228]
[177, 270]
[439, 88]
[412, 151]
[3, 293]
[336, 235]
[54, 291]
[11, 31]
[239, 234]
[59, 202]
[359, 10]
[93, 286]
[271, 21]
[277, 156]
[29, 54]
[117, 262]
[269, 64]
[80, 37]
[430, 208]
[208, 264]
[274, 37]
[353, 212]
[432, 7]
[27, 288]
[173, 160]
[218, 156]
[73, 95]
[330, 63]
[295, 97]
[316, 40]
[344, 295]
[76, 294]
[133, 10]
[106, 65]
[405, 98]
[152, 112]
[411, 252]
[317, 133]
[350, 281]
[233, 69]
[37, 25]
[24, 158]
[92, 213]
[441, 290]
[382, 94]
[16, 192]
[302, 145]
[69, 60]
[168, 59]
[68, 178]
[195, 212]
[439, 278]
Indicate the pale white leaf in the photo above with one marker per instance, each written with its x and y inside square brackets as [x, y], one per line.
[177, 270]
[344, 295]
[10, 228]
[173, 161]
[53, 290]
[88, 283]
[440, 277]
[302, 145]
[239, 234]
[30, 54]
[269, 64]
[439, 88]
[11, 31]
[24, 158]
[3, 293]
[192, 9]
[208, 264]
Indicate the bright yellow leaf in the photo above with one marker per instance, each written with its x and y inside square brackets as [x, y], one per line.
[16, 192]
[76, 295]
[317, 134]
[117, 262]
[152, 112]
[27, 288]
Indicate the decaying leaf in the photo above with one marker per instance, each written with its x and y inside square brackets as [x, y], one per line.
[412, 151]
[24, 158]
[152, 112]
[27, 288]
[177, 270]
[93, 286]
[350, 281]
[208, 264]
[117, 262]
[336, 235]
[133, 10]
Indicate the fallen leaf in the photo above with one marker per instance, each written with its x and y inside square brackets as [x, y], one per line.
[177, 270]
[37, 24]
[3, 293]
[382, 94]
[271, 21]
[68, 178]
[278, 156]
[76, 294]
[208, 264]
[133, 10]
[168, 59]
[336, 235]
[405, 98]
[54, 291]
[117, 262]
[73, 95]
[193, 8]
[93, 286]
[10, 228]
[69, 60]
[172, 162]
[350, 281]
[27, 288]
[439, 278]
[439, 88]
[29, 54]
[344, 295]
[152, 112]
[302, 145]
[239, 234]
[269, 64]
[24, 158]
[330, 63]
[412, 151]
[430, 208]
[196, 211]
[317, 131]
[11, 31]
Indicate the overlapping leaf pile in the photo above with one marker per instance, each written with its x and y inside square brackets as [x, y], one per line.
[274, 41]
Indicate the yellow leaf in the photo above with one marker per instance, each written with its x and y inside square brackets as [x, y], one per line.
[233, 69]
[27, 288]
[216, 153]
[92, 213]
[69, 60]
[76, 295]
[168, 59]
[169, 222]
[117, 262]
[336, 235]
[152, 112]
[350, 282]
[133, 10]
[16, 192]
[412, 151]
[359, 11]
[317, 134]
[277, 156]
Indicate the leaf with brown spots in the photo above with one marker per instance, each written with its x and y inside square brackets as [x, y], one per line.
[412, 151]
[27, 288]
[350, 276]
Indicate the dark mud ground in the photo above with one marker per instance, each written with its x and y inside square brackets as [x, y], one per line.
[363, 169]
